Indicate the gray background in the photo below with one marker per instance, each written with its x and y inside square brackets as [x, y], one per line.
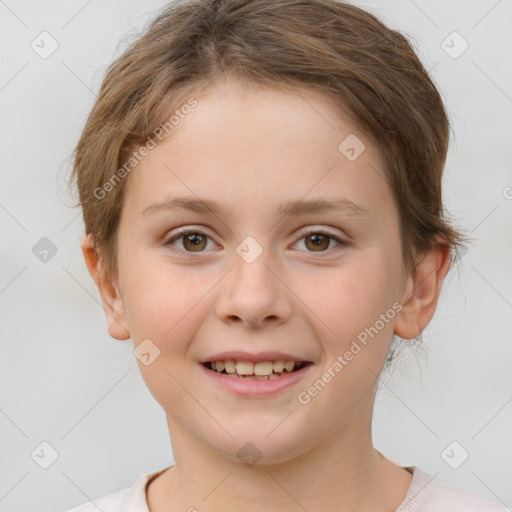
[64, 381]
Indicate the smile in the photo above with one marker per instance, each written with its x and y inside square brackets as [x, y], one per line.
[246, 378]
[262, 370]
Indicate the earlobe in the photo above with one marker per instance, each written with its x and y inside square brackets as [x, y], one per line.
[421, 293]
[111, 299]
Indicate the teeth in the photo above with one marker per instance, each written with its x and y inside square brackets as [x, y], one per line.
[262, 370]
[278, 366]
[244, 368]
[289, 366]
[253, 377]
[229, 366]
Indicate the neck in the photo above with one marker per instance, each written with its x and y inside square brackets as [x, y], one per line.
[339, 473]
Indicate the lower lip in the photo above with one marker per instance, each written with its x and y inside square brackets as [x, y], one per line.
[250, 387]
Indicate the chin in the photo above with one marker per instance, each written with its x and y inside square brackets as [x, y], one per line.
[262, 443]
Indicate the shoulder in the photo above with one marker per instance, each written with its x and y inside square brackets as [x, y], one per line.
[110, 503]
[129, 499]
[428, 494]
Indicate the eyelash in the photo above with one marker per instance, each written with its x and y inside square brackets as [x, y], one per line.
[191, 254]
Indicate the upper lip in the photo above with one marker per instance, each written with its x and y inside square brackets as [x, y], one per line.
[239, 355]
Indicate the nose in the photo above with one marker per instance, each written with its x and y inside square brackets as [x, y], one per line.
[254, 293]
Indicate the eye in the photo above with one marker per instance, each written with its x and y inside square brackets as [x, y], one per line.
[319, 241]
[193, 241]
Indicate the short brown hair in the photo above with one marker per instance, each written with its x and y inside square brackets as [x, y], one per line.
[369, 71]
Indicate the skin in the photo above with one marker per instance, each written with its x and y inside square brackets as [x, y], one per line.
[252, 148]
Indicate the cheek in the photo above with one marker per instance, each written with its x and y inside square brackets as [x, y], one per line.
[165, 302]
[151, 295]
[356, 300]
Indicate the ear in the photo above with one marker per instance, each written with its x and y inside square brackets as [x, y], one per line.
[421, 293]
[113, 305]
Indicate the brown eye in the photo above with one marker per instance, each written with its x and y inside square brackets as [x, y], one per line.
[318, 241]
[193, 241]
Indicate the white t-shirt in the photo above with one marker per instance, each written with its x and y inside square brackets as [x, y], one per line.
[425, 494]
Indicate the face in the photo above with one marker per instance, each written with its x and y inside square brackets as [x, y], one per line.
[250, 277]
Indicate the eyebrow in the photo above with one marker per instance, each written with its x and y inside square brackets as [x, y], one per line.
[290, 208]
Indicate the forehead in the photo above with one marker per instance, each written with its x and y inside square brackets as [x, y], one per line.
[231, 110]
[252, 145]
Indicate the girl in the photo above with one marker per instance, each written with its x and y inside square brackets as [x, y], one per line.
[261, 190]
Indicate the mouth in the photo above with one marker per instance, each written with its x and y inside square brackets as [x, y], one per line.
[262, 370]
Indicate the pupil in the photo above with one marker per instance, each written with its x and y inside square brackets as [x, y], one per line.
[318, 240]
[194, 238]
